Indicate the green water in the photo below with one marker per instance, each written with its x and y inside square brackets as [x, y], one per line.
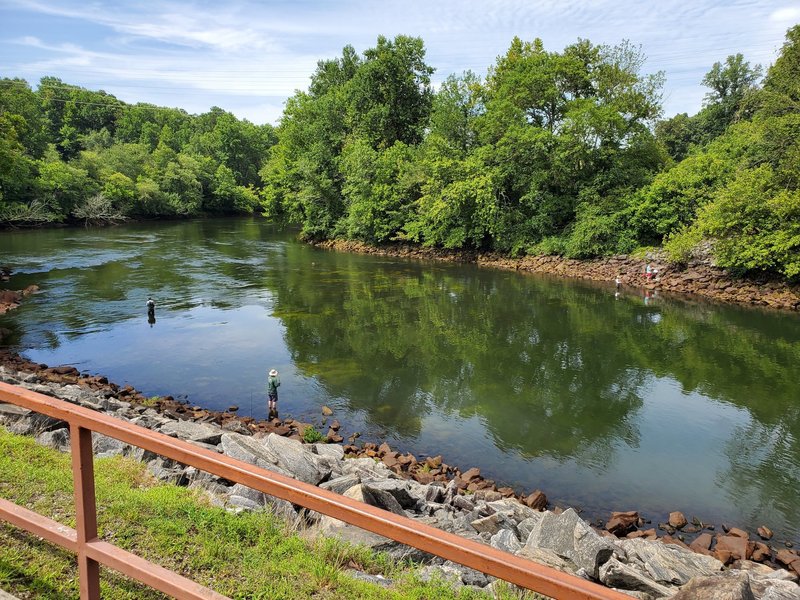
[603, 401]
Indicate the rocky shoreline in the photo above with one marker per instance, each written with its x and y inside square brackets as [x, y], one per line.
[699, 278]
[625, 552]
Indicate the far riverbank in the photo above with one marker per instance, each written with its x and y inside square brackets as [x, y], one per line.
[699, 277]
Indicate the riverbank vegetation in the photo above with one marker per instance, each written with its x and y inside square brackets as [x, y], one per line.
[245, 555]
[550, 153]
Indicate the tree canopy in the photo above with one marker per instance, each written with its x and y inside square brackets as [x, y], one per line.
[549, 152]
[67, 153]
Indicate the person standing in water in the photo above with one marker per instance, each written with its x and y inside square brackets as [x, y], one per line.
[273, 383]
[151, 311]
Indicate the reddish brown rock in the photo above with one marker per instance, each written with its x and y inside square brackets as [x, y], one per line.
[761, 552]
[764, 532]
[730, 548]
[390, 461]
[621, 523]
[434, 462]
[786, 557]
[506, 492]
[326, 411]
[677, 520]
[739, 533]
[702, 543]
[333, 437]
[536, 500]
[423, 477]
[384, 449]
[471, 474]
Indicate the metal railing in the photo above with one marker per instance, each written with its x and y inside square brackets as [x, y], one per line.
[91, 551]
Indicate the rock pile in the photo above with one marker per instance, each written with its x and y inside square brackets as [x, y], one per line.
[435, 494]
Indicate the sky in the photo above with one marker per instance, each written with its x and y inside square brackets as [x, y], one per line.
[248, 57]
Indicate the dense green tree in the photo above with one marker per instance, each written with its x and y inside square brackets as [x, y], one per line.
[380, 99]
[389, 96]
[565, 130]
[455, 107]
[30, 129]
[753, 217]
[62, 185]
[16, 167]
[379, 190]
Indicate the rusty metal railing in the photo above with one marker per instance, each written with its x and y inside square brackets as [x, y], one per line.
[91, 551]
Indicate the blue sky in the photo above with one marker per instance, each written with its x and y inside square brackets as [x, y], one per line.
[248, 57]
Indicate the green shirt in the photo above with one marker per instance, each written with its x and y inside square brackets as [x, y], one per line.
[272, 384]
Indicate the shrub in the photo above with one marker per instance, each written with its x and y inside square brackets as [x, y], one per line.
[681, 244]
[311, 435]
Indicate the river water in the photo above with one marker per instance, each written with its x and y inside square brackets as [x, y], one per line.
[602, 400]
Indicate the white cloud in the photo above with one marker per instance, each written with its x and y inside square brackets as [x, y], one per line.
[788, 15]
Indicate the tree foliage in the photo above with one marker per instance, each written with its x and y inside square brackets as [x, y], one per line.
[67, 153]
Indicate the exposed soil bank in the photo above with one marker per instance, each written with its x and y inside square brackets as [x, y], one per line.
[727, 544]
[700, 277]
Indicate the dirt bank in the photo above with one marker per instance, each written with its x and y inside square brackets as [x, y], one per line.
[700, 277]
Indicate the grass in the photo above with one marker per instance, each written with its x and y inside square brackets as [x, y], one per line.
[253, 555]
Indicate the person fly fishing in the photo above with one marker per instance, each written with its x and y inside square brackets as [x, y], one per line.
[151, 311]
[273, 382]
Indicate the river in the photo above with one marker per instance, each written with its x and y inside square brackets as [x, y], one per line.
[604, 401]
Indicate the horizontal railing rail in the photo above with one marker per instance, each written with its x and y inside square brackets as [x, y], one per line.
[92, 551]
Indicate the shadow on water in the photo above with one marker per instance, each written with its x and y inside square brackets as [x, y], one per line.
[605, 400]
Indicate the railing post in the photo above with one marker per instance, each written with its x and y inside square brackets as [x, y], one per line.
[85, 510]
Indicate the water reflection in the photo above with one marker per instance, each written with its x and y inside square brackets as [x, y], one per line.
[607, 396]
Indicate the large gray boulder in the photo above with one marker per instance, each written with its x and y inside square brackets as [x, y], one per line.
[251, 451]
[667, 563]
[377, 543]
[618, 575]
[10, 413]
[57, 439]
[104, 446]
[22, 421]
[514, 509]
[399, 488]
[571, 537]
[366, 468]
[78, 395]
[494, 523]
[547, 557]
[375, 497]
[737, 585]
[340, 484]
[250, 499]
[192, 432]
[293, 456]
[506, 540]
[332, 451]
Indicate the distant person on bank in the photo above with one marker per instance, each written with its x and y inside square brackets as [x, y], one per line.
[273, 383]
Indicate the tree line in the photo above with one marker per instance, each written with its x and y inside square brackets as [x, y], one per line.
[67, 153]
[549, 152]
